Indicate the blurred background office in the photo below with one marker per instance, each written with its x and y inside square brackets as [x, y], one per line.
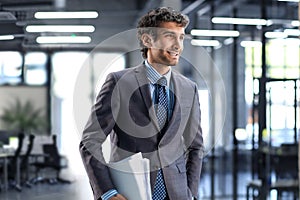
[243, 54]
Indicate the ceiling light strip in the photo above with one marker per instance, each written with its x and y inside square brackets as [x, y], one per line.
[206, 43]
[292, 32]
[66, 15]
[251, 43]
[289, 0]
[7, 37]
[286, 41]
[215, 33]
[273, 35]
[60, 28]
[295, 23]
[241, 21]
[62, 39]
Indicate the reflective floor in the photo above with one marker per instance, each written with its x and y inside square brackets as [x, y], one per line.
[79, 189]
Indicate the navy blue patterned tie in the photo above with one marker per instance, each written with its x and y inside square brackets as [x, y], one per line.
[162, 105]
[159, 188]
[161, 113]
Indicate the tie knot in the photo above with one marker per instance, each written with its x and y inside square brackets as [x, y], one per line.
[162, 81]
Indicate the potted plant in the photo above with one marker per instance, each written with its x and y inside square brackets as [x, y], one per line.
[24, 117]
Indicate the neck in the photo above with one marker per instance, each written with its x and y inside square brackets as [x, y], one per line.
[160, 68]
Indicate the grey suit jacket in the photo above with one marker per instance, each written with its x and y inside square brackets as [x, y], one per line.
[124, 110]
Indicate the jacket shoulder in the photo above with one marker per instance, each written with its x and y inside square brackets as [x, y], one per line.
[183, 79]
[127, 71]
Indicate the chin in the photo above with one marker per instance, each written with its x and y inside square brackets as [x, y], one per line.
[172, 63]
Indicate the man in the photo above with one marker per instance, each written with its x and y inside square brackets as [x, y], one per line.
[143, 114]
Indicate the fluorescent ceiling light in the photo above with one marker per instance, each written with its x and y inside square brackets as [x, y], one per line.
[228, 41]
[286, 42]
[251, 43]
[292, 32]
[60, 28]
[289, 0]
[241, 21]
[295, 23]
[206, 43]
[66, 15]
[216, 33]
[62, 39]
[273, 35]
[7, 37]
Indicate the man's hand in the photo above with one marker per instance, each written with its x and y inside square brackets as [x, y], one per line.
[118, 197]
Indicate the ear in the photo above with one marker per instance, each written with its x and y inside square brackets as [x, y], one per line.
[147, 40]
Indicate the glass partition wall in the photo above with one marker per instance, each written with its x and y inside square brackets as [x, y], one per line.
[88, 72]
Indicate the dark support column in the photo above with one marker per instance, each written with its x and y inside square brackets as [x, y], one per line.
[299, 108]
[234, 82]
[212, 78]
[254, 114]
[23, 68]
[48, 88]
[295, 111]
[262, 106]
[262, 83]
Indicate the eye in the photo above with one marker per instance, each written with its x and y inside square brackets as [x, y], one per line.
[169, 35]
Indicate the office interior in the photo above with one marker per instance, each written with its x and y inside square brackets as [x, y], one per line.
[243, 55]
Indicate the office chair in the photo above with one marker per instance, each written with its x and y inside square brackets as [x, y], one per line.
[284, 163]
[285, 166]
[52, 160]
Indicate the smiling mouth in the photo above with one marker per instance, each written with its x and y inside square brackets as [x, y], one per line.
[172, 53]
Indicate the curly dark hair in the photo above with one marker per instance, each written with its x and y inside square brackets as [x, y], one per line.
[154, 18]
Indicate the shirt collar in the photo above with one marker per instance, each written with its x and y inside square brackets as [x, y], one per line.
[154, 76]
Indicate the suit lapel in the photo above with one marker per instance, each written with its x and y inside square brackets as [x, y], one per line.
[177, 97]
[143, 85]
[181, 102]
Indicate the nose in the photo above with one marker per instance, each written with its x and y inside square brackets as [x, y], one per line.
[178, 44]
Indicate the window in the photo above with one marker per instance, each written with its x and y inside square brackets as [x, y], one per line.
[35, 72]
[103, 64]
[281, 112]
[10, 67]
[282, 59]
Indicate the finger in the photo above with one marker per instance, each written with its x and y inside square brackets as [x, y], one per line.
[118, 197]
[121, 197]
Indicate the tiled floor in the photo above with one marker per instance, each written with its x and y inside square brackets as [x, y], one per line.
[77, 190]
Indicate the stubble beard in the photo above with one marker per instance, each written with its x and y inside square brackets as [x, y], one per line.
[166, 60]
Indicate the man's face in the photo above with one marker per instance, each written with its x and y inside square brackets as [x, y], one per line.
[168, 45]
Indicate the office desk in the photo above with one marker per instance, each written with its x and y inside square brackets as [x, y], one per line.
[5, 157]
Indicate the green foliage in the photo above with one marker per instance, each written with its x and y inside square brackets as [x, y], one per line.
[24, 117]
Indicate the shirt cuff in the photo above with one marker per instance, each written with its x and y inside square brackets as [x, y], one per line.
[109, 194]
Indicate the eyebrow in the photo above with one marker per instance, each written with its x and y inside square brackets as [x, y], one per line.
[172, 32]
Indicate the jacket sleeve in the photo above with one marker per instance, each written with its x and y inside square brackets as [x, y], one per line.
[99, 125]
[194, 145]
